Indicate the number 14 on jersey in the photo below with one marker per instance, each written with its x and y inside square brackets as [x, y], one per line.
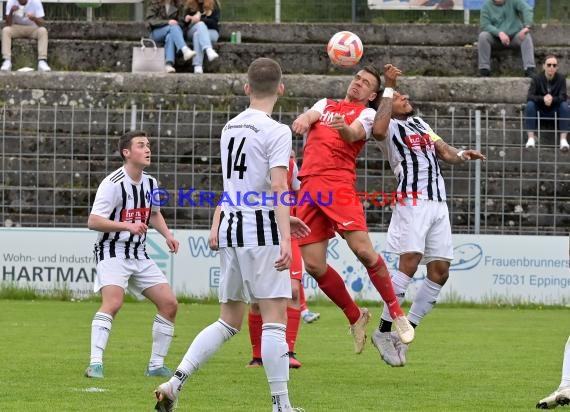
[237, 164]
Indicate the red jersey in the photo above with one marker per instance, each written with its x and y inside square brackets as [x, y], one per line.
[326, 153]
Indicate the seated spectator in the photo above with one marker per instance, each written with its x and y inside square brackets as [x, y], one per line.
[505, 23]
[164, 19]
[547, 97]
[24, 18]
[203, 17]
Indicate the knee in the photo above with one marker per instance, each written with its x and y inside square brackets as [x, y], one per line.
[254, 308]
[111, 306]
[201, 26]
[530, 108]
[42, 31]
[441, 277]
[175, 29]
[169, 308]
[564, 109]
[366, 256]
[7, 31]
[485, 37]
[315, 269]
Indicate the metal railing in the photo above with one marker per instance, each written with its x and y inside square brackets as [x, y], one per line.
[53, 159]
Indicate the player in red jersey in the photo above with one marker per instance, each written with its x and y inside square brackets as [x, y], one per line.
[297, 296]
[337, 132]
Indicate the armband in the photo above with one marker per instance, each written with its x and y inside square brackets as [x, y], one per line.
[388, 93]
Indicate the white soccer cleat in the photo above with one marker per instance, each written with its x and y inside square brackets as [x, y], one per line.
[531, 143]
[563, 397]
[401, 348]
[166, 398]
[358, 330]
[6, 66]
[310, 317]
[564, 145]
[385, 345]
[548, 402]
[404, 329]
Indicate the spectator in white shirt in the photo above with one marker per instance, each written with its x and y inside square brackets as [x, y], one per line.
[24, 18]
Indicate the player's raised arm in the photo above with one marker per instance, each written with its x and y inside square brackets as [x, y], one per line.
[384, 112]
[452, 155]
[157, 221]
[350, 134]
[304, 121]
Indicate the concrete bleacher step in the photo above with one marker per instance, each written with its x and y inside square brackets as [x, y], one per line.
[433, 34]
[116, 56]
[457, 96]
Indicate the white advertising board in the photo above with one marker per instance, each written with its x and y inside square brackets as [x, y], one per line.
[490, 267]
[415, 4]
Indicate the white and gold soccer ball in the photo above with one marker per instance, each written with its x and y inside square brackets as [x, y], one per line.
[345, 49]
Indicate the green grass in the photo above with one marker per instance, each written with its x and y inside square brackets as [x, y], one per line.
[464, 359]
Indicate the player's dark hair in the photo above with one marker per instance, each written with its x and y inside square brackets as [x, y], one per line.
[264, 77]
[126, 140]
[376, 73]
[550, 56]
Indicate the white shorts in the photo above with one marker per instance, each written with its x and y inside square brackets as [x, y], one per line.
[423, 228]
[248, 274]
[133, 275]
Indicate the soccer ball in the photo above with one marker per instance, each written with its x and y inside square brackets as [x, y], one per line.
[345, 49]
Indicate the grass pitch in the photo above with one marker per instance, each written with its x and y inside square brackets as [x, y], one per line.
[463, 359]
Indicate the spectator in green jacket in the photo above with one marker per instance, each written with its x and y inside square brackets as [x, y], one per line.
[505, 23]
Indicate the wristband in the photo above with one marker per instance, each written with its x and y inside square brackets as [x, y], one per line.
[388, 93]
[460, 154]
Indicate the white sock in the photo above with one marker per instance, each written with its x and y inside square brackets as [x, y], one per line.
[275, 355]
[100, 329]
[162, 333]
[424, 301]
[201, 349]
[400, 281]
[566, 366]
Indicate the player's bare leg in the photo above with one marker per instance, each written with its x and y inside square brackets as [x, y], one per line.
[330, 282]
[359, 242]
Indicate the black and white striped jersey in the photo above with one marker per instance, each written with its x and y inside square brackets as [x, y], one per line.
[252, 143]
[411, 152]
[121, 199]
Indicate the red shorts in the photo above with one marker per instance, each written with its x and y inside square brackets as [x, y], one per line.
[296, 269]
[328, 205]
